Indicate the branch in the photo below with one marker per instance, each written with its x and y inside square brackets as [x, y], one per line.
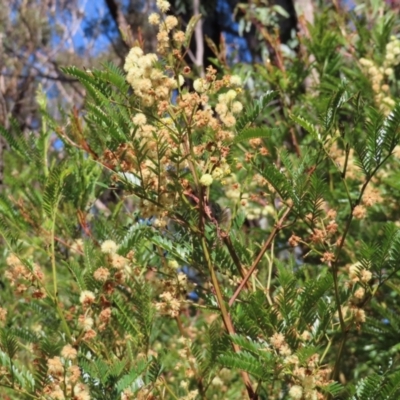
[198, 34]
[121, 22]
[46, 76]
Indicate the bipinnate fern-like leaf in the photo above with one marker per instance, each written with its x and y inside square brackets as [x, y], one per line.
[368, 388]
[384, 386]
[335, 102]
[103, 375]
[136, 312]
[391, 390]
[41, 375]
[207, 352]
[254, 317]
[24, 334]
[53, 189]
[179, 251]
[6, 207]
[258, 349]
[117, 368]
[382, 256]
[322, 45]
[381, 328]
[124, 316]
[389, 322]
[96, 87]
[8, 342]
[312, 293]
[253, 133]
[245, 361]
[391, 129]
[315, 196]
[107, 125]
[135, 235]
[132, 379]
[222, 259]
[276, 178]
[8, 350]
[17, 143]
[238, 221]
[154, 370]
[335, 389]
[217, 341]
[11, 221]
[383, 135]
[115, 76]
[20, 375]
[287, 297]
[97, 370]
[25, 145]
[251, 115]
[307, 126]
[77, 273]
[8, 233]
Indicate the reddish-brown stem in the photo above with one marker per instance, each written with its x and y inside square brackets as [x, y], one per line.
[235, 258]
[225, 316]
[278, 226]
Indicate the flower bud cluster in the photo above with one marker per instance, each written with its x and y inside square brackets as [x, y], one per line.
[24, 278]
[371, 196]
[339, 156]
[65, 376]
[255, 206]
[146, 173]
[169, 305]
[359, 274]
[354, 313]
[174, 292]
[307, 376]
[359, 279]
[227, 107]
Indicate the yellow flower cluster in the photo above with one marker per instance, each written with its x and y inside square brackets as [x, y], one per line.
[206, 180]
[378, 75]
[64, 377]
[147, 80]
[307, 376]
[392, 57]
[218, 173]
[163, 128]
[226, 107]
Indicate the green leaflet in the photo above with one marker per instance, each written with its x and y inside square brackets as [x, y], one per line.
[253, 133]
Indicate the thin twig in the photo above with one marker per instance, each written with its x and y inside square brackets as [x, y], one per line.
[278, 227]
